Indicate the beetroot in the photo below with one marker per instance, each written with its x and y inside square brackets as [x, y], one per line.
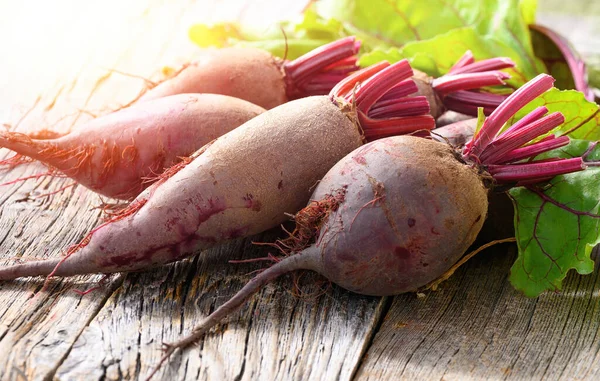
[120, 154]
[258, 77]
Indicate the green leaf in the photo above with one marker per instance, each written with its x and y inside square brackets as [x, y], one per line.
[444, 50]
[557, 226]
[384, 23]
[410, 29]
[582, 118]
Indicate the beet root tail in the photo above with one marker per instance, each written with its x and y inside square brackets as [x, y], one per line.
[23, 145]
[303, 260]
[33, 268]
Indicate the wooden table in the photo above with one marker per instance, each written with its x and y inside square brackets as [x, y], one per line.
[54, 74]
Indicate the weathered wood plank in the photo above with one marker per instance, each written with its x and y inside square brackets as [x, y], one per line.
[478, 327]
[276, 336]
[475, 327]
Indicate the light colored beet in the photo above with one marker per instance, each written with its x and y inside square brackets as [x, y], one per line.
[117, 155]
[258, 77]
[246, 73]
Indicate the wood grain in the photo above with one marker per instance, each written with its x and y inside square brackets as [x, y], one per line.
[475, 327]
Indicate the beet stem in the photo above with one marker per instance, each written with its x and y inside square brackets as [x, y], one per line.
[402, 89]
[468, 81]
[302, 260]
[533, 150]
[496, 63]
[376, 86]
[535, 171]
[345, 87]
[401, 107]
[527, 119]
[465, 60]
[493, 124]
[318, 59]
[381, 128]
[468, 101]
[496, 150]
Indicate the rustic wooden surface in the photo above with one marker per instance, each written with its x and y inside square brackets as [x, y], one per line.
[475, 327]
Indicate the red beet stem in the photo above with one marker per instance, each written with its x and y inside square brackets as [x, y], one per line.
[468, 102]
[468, 81]
[493, 124]
[400, 107]
[380, 128]
[535, 171]
[303, 260]
[465, 60]
[535, 149]
[527, 119]
[346, 86]
[392, 117]
[344, 65]
[496, 63]
[300, 69]
[376, 86]
[402, 89]
[496, 150]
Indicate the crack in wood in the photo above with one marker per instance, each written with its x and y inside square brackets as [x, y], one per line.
[380, 314]
[112, 287]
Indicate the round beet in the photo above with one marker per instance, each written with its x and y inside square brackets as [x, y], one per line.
[405, 216]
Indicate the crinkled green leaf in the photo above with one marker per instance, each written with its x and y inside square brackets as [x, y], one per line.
[582, 118]
[303, 35]
[557, 226]
[410, 29]
[443, 51]
[386, 23]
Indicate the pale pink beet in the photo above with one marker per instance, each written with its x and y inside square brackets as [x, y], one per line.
[258, 77]
[119, 154]
[246, 73]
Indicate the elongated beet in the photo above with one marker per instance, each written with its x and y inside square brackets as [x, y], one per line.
[117, 155]
[241, 184]
[258, 77]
